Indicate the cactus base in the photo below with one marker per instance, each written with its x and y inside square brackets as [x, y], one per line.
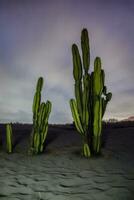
[86, 149]
[96, 145]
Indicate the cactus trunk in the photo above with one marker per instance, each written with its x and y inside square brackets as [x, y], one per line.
[98, 79]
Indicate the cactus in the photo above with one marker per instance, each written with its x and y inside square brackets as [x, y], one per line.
[9, 138]
[91, 97]
[80, 106]
[41, 112]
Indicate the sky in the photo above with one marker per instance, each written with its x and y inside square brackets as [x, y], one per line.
[35, 40]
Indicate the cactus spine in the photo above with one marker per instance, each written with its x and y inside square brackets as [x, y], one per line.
[41, 112]
[91, 97]
[9, 138]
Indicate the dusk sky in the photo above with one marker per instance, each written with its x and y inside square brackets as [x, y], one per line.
[35, 40]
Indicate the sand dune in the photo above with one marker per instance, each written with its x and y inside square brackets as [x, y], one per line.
[61, 173]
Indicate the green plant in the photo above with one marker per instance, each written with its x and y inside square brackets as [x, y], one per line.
[41, 111]
[91, 97]
[9, 142]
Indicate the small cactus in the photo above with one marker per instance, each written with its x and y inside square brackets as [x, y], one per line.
[9, 143]
[41, 111]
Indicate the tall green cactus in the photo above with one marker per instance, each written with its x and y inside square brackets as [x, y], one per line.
[41, 112]
[79, 107]
[91, 97]
[9, 142]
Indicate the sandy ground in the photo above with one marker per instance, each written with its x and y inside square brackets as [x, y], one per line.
[61, 173]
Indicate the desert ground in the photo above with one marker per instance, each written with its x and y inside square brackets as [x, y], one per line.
[61, 173]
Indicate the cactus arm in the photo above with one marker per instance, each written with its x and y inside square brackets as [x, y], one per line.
[44, 129]
[36, 106]
[44, 133]
[39, 84]
[48, 109]
[85, 49]
[43, 136]
[85, 115]
[97, 84]
[78, 96]
[41, 113]
[76, 117]
[77, 65]
[98, 80]
[77, 73]
[37, 96]
[46, 114]
[97, 89]
[37, 99]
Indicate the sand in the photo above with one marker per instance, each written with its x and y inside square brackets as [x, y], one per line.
[61, 173]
